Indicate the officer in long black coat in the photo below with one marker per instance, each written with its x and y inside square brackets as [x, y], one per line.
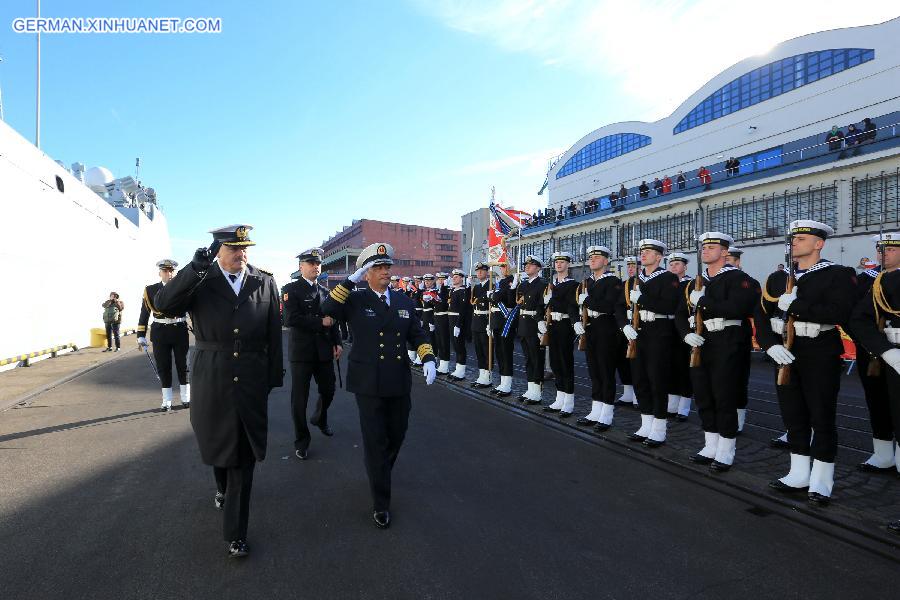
[237, 361]
[169, 336]
[378, 370]
[313, 346]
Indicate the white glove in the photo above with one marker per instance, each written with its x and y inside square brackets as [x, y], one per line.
[360, 273]
[142, 341]
[696, 295]
[542, 327]
[634, 296]
[515, 282]
[693, 340]
[892, 357]
[579, 328]
[490, 332]
[456, 331]
[582, 297]
[630, 332]
[430, 372]
[784, 302]
[431, 327]
[548, 294]
[780, 354]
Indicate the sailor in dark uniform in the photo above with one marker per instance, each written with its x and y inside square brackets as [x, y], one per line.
[426, 295]
[395, 283]
[623, 364]
[413, 287]
[767, 315]
[654, 297]
[530, 298]
[726, 298]
[561, 296]
[821, 300]
[503, 327]
[314, 345]
[481, 311]
[237, 361]
[169, 336]
[383, 322]
[734, 259]
[459, 313]
[679, 406]
[875, 327]
[442, 334]
[604, 340]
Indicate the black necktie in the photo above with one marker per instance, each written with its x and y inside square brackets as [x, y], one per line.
[233, 278]
[383, 298]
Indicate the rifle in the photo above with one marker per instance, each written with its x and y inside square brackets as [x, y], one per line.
[698, 285]
[635, 313]
[784, 371]
[874, 368]
[582, 339]
[490, 356]
[548, 318]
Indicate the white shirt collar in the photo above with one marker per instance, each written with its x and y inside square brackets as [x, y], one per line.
[309, 281]
[237, 283]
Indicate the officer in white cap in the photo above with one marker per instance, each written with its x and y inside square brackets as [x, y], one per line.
[810, 354]
[680, 393]
[561, 298]
[442, 333]
[623, 365]
[503, 327]
[530, 298]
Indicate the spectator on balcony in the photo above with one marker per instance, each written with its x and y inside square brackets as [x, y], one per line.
[657, 186]
[854, 135]
[780, 267]
[572, 209]
[644, 190]
[614, 201]
[869, 130]
[732, 166]
[667, 185]
[579, 208]
[705, 177]
[680, 181]
[835, 138]
[623, 193]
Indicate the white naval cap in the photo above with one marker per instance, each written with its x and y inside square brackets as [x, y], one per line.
[376, 254]
[631, 260]
[598, 251]
[735, 251]
[395, 278]
[651, 244]
[442, 275]
[459, 272]
[167, 264]
[806, 226]
[406, 279]
[678, 256]
[715, 237]
[531, 258]
[566, 256]
[428, 277]
[885, 239]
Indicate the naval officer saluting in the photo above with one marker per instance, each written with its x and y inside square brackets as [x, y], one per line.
[237, 361]
[383, 321]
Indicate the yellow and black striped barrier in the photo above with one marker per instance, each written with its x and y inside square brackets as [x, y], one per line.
[30, 355]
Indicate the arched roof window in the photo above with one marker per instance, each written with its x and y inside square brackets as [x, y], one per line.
[606, 148]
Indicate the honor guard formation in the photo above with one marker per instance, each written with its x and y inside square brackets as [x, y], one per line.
[673, 336]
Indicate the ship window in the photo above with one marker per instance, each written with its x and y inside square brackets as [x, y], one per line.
[60, 185]
[774, 79]
[602, 150]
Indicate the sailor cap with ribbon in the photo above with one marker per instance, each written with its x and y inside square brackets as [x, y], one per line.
[442, 275]
[735, 251]
[417, 277]
[167, 264]
[376, 254]
[313, 255]
[481, 266]
[395, 278]
[598, 251]
[807, 227]
[715, 237]
[678, 256]
[566, 256]
[651, 244]
[885, 239]
[534, 260]
[631, 260]
[406, 279]
[234, 235]
[428, 277]
[459, 272]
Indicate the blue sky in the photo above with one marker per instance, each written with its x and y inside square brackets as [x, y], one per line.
[301, 116]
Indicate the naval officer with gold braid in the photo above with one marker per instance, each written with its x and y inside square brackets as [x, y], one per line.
[383, 321]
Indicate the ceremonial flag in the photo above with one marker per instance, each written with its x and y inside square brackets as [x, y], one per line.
[503, 222]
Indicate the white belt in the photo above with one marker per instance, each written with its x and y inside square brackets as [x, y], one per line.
[453, 314]
[810, 330]
[495, 309]
[438, 314]
[557, 316]
[481, 312]
[170, 321]
[528, 313]
[648, 316]
[594, 314]
[893, 335]
[720, 323]
[426, 309]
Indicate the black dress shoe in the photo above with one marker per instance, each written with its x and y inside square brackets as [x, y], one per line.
[700, 459]
[867, 468]
[653, 443]
[681, 418]
[564, 415]
[779, 443]
[164, 409]
[185, 405]
[238, 549]
[502, 394]
[634, 437]
[326, 430]
[894, 526]
[455, 378]
[382, 519]
[601, 426]
[718, 467]
[818, 499]
[219, 500]
[529, 401]
[671, 415]
[777, 484]
[585, 421]
[475, 384]
[301, 454]
[522, 398]
[550, 409]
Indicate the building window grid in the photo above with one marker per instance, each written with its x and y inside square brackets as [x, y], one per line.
[772, 80]
[602, 150]
[873, 195]
[677, 231]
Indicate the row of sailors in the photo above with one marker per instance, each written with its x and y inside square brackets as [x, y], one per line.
[649, 328]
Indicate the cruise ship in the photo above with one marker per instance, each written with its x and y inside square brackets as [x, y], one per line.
[70, 237]
[786, 117]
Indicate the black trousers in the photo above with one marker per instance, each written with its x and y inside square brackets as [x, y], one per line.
[236, 483]
[893, 385]
[680, 383]
[716, 387]
[562, 355]
[602, 354]
[442, 337]
[504, 348]
[112, 332]
[743, 397]
[301, 374]
[623, 364]
[651, 368]
[459, 346]
[383, 421]
[480, 339]
[876, 392]
[169, 341]
[809, 401]
[534, 358]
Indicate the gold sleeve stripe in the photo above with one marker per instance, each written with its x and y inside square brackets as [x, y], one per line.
[142, 328]
[340, 294]
[424, 350]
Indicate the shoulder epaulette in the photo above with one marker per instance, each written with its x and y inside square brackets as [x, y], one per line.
[266, 272]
